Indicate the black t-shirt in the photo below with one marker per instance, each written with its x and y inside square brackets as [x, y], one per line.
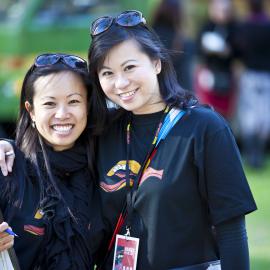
[194, 181]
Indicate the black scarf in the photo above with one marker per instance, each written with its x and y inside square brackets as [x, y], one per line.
[68, 231]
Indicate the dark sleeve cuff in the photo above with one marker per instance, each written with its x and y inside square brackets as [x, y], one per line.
[232, 244]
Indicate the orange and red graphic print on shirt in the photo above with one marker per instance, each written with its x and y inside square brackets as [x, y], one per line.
[35, 229]
[116, 176]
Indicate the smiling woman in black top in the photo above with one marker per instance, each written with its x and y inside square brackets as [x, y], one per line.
[184, 189]
[47, 198]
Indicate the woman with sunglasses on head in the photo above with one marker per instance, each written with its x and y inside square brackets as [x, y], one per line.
[184, 194]
[47, 198]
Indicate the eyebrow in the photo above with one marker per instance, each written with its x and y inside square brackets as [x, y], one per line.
[124, 63]
[130, 60]
[47, 97]
[73, 94]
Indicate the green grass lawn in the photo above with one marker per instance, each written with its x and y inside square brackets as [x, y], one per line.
[258, 223]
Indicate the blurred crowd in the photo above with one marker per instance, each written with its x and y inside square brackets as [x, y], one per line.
[227, 65]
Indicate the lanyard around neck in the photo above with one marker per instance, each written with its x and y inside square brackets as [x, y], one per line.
[154, 144]
[168, 120]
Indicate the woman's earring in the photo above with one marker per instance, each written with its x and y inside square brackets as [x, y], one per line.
[33, 124]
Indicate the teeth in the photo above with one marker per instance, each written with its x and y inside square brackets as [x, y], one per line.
[127, 94]
[62, 128]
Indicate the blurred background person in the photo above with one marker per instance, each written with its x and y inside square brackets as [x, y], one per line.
[214, 79]
[253, 44]
[168, 23]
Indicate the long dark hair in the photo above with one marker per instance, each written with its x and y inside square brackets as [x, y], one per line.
[30, 142]
[150, 44]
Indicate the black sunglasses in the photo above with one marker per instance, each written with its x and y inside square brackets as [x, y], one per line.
[127, 18]
[50, 59]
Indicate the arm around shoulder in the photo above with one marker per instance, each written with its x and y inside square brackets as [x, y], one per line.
[7, 157]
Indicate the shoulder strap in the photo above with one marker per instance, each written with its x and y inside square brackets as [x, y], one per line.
[8, 258]
[173, 116]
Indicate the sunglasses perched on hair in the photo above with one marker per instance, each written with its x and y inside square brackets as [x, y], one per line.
[50, 59]
[127, 18]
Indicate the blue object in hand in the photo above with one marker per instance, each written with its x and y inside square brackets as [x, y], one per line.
[9, 231]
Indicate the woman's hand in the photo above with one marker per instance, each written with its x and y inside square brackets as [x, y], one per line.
[7, 157]
[6, 240]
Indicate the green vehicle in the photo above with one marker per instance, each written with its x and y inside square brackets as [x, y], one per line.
[30, 27]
